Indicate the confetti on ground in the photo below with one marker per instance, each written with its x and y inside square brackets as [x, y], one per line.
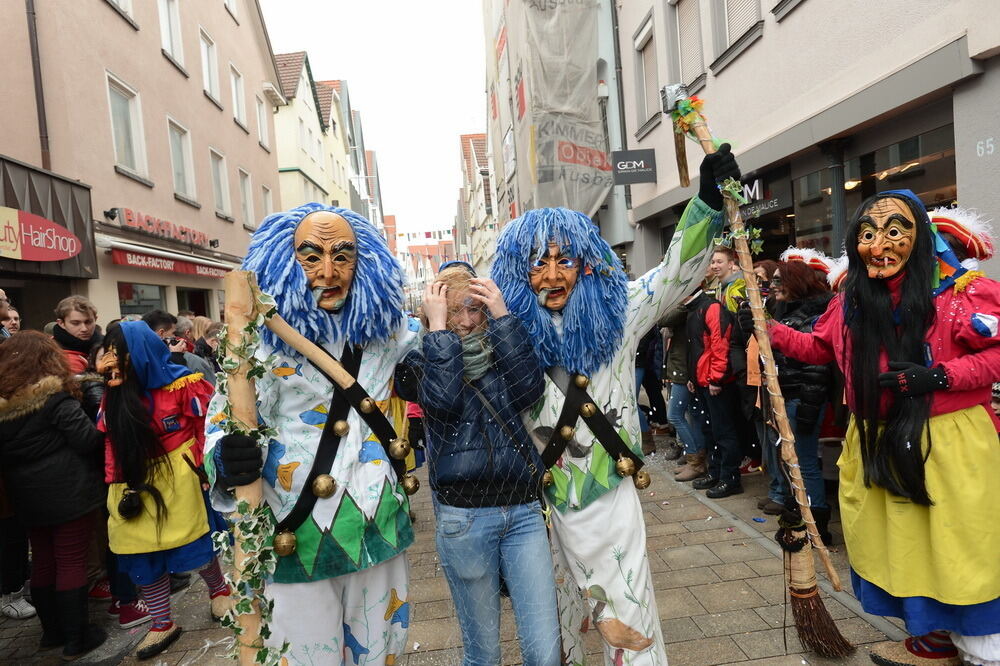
[759, 520]
[664, 503]
[708, 519]
[416, 646]
[729, 529]
[652, 494]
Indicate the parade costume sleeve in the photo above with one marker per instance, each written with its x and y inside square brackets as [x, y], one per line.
[191, 399]
[976, 328]
[662, 288]
[516, 362]
[717, 347]
[441, 388]
[816, 348]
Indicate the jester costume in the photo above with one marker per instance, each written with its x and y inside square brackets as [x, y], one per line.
[602, 575]
[918, 512]
[341, 596]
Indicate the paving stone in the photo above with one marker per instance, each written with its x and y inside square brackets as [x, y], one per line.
[689, 557]
[768, 567]
[734, 571]
[678, 602]
[430, 589]
[731, 595]
[786, 660]
[680, 629]
[730, 622]
[662, 542]
[666, 580]
[775, 615]
[858, 631]
[739, 551]
[694, 510]
[435, 634]
[769, 643]
[702, 525]
[661, 529]
[711, 535]
[424, 657]
[772, 588]
[704, 652]
[434, 610]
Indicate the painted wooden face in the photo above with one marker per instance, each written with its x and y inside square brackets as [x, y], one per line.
[553, 277]
[325, 247]
[886, 234]
[109, 365]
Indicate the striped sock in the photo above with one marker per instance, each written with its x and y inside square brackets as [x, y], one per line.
[157, 596]
[212, 575]
[935, 645]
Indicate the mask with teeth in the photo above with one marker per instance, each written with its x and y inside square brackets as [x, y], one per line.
[886, 234]
[109, 366]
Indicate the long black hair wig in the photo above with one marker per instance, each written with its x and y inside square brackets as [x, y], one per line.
[892, 444]
[139, 453]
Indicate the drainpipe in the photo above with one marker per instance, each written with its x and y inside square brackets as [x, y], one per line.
[621, 100]
[36, 68]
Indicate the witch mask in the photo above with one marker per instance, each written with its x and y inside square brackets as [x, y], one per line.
[886, 233]
[110, 366]
[553, 276]
[326, 248]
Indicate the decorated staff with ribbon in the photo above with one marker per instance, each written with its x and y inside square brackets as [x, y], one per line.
[331, 461]
[568, 288]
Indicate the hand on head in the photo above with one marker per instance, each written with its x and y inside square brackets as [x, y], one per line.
[488, 293]
[435, 306]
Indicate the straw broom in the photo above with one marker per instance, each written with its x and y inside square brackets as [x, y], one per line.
[815, 627]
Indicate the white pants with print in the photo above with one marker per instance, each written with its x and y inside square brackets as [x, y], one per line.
[360, 618]
[603, 580]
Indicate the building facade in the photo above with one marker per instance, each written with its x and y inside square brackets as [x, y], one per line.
[164, 110]
[824, 104]
[475, 230]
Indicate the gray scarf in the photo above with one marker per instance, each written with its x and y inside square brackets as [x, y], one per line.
[476, 354]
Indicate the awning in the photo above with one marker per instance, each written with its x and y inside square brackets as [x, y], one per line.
[139, 256]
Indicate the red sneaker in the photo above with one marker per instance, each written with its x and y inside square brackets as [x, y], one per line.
[114, 608]
[101, 591]
[748, 467]
[133, 614]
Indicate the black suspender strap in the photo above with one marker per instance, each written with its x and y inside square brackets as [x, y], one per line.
[326, 452]
[579, 404]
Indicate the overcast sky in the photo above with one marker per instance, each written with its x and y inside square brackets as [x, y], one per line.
[416, 73]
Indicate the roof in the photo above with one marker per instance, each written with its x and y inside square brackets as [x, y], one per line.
[289, 71]
[324, 93]
[474, 153]
[333, 83]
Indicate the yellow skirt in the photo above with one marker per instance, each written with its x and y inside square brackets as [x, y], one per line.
[949, 551]
[186, 518]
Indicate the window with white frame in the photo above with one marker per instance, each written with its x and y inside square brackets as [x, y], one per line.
[181, 159]
[689, 53]
[309, 147]
[262, 120]
[302, 135]
[231, 6]
[647, 101]
[239, 98]
[220, 182]
[246, 199]
[319, 155]
[735, 17]
[265, 195]
[124, 5]
[209, 66]
[126, 126]
[170, 29]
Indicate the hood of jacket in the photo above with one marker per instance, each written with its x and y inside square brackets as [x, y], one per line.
[30, 399]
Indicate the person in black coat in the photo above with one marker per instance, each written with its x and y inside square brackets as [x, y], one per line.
[47, 447]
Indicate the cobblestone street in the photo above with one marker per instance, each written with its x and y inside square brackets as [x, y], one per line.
[718, 578]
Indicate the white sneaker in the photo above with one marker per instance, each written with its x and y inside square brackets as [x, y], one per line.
[16, 607]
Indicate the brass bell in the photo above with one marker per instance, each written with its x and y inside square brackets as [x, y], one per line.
[399, 448]
[340, 428]
[284, 543]
[367, 406]
[324, 486]
[411, 484]
[625, 466]
[567, 432]
[642, 479]
[547, 478]
[581, 381]
[588, 409]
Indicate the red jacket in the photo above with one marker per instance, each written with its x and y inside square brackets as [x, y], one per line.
[78, 361]
[709, 327]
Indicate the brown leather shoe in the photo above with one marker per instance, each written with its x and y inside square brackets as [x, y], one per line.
[694, 469]
[648, 444]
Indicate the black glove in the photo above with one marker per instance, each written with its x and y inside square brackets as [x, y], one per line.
[744, 317]
[241, 460]
[907, 378]
[715, 169]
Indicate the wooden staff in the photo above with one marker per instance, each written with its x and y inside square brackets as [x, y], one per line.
[241, 309]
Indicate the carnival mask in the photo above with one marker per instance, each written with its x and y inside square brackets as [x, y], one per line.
[553, 277]
[325, 247]
[109, 366]
[886, 233]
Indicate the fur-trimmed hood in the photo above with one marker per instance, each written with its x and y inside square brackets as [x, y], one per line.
[30, 399]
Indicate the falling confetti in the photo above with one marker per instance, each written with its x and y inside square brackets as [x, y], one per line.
[759, 520]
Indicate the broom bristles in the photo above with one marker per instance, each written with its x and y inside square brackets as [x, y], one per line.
[815, 627]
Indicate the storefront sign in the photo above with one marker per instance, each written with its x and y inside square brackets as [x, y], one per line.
[156, 226]
[29, 237]
[152, 262]
[634, 166]
[763, 199]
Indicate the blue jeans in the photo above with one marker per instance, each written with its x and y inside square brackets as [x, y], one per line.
[680, 407]
[640, 373]
[475, 546]
[777, 489]
[807, 449]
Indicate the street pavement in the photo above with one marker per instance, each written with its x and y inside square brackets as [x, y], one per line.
[717, 573]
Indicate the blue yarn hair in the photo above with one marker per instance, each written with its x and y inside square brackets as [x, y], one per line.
[374, 305]
[594, 316]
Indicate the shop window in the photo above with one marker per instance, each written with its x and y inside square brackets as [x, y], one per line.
[924, 163]
[209, 66]
[239, 97]
[181, 159]
[138, 299]
[170, 29]
[262, 116]
[813, 213]
[126, 126]
[220, 182]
